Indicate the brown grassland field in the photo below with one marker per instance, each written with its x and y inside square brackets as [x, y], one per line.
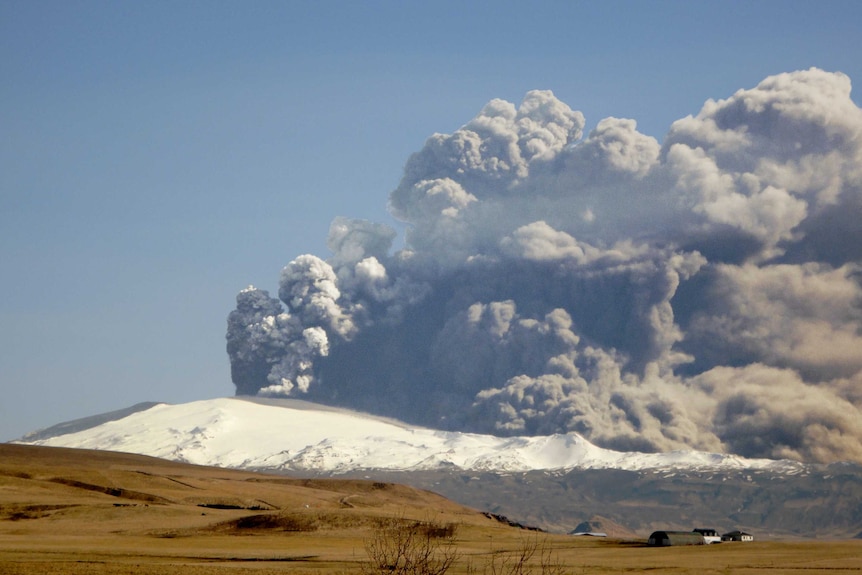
[75, 512]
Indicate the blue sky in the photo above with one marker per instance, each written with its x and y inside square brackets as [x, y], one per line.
[157, 157]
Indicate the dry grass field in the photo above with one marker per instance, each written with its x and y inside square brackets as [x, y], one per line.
[84, 512]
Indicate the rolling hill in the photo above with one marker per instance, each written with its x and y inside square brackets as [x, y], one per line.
[75, 511]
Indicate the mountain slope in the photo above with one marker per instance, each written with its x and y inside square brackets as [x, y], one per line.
[85, 423]
[290, 435]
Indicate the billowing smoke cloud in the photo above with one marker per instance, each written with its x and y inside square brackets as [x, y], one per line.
[704, 292]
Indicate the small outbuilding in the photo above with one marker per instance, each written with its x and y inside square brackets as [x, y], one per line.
[737, 536]
[667, 538]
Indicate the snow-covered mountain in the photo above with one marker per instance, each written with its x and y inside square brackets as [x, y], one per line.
[280, 434]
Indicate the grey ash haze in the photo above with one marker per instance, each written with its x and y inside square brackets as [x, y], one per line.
[704, 292]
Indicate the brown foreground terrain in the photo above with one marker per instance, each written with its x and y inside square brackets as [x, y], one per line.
[75, 511]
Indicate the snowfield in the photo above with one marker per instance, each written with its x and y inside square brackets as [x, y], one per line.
[280, 434]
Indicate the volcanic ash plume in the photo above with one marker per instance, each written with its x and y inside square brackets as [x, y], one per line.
[701, 293]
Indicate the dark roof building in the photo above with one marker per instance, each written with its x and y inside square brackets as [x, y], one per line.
[737, 536]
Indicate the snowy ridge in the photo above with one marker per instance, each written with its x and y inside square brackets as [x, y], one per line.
[295, 435]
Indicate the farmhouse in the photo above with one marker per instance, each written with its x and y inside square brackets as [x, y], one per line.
[666, 538]
[737, 536]
[709, 535]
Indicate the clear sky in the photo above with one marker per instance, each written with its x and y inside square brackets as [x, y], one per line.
[157, 157]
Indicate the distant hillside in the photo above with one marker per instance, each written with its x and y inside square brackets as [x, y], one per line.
[823, 502]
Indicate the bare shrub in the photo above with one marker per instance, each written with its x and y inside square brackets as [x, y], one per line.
[406, 547]
[533, 557]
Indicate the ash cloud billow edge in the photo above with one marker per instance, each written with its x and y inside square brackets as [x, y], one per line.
[700, 293]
